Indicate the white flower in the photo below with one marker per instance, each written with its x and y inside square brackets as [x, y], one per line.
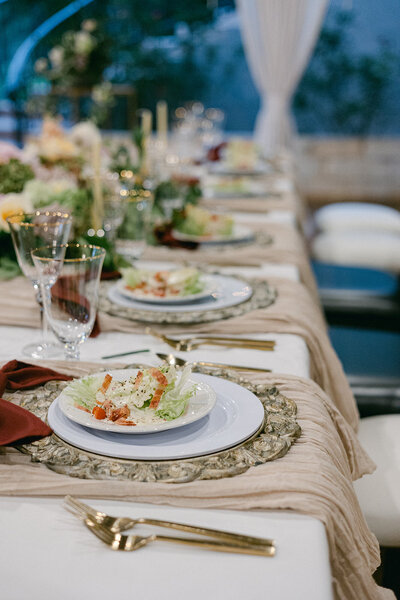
[41, 65]
[102, 93]
[40, 193]
[89, 25]
[85, 135]
[84, 42]
[11, 204]
[56, 56]
[8, 151]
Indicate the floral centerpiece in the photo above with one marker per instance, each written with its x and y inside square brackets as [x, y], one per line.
[53, 171]
[78, 63]
[79, 59]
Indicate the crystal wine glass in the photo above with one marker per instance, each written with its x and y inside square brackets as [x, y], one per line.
[69, 276]
[133, 233]
[28, 231]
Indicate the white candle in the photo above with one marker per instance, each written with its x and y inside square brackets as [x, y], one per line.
[162, 120]
[147, 122]
[97, 207]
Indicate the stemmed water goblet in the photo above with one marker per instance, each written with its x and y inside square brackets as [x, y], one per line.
[28, 231]
[69, 277]
[135, 229]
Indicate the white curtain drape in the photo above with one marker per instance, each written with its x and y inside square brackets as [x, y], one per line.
[278, 37]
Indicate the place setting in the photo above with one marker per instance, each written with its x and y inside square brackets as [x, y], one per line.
[146, 419]
[181, 295]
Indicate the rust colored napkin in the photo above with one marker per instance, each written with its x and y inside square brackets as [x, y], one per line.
[17, 425]
[164, 237]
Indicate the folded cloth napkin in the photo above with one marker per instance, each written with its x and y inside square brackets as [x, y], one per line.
[165, 237]
[17, 425]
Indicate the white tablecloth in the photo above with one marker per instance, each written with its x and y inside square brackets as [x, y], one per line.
[48, 554]
[290, 355]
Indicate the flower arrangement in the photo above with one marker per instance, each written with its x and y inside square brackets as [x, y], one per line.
[79, 59]
[53, 171]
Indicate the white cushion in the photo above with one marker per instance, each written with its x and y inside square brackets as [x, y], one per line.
[359, 248]
[379, 493]
[357, 216]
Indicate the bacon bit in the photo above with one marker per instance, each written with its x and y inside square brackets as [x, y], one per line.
[157, 397]
[99, 413]
[122, 421]
[161, 276]
[118, 413]
[107, 405]
[82, 408]
[156, 373]
[138, 379]
[106, 383]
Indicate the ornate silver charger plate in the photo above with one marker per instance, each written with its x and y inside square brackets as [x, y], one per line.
[275, 437]
[260, 238]
[263, 295]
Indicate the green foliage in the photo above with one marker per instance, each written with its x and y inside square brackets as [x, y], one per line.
[8, 261]
[79, 58]
[158, 17]
[342, 92]
[8, 268]
[14, 175]
[190, 192]
[112, 261]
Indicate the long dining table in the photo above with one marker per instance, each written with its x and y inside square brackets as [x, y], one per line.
[304, 500]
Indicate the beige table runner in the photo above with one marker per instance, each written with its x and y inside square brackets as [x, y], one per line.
[314, 478]
[293, 312]
[288, 201]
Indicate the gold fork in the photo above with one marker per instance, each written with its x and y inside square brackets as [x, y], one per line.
[119, 524]
[130, 543]
[186, 345]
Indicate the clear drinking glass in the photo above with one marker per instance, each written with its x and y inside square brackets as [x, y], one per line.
[69, 276]
[135, 229]
[28, 231]
[114, 204]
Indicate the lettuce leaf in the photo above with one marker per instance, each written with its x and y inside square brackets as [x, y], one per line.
[132, 276]
[174, 401]
[83, 392]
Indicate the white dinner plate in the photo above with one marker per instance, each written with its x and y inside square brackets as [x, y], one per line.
[230, 292]
[198, 406]
[236, 416]
[239, 234]
[209, 289]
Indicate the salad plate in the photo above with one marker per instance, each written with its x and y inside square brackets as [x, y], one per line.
[237, 235]
[234, 187]
[237, 415]
[228, 291]
[168, 286]
[187, 402]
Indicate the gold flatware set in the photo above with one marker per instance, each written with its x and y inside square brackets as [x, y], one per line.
[188, 344]
[109, 530]
[179, 362]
